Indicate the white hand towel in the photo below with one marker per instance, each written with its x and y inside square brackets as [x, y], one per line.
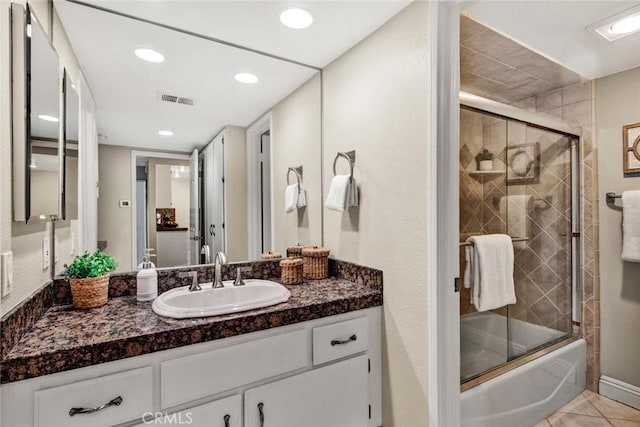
[302, 196]
[493, 285]
[468, 266]
[339, 191]
[514, 208]
[631, 226]
[291, 198]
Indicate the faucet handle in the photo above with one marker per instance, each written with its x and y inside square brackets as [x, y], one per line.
[239, 281]
[195, 286]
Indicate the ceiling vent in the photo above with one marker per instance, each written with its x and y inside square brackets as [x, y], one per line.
[174, 99]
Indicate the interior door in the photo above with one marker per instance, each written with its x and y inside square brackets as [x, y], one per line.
[335, 395]
[194, 209]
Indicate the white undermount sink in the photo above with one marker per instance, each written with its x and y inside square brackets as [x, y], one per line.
[180, 303]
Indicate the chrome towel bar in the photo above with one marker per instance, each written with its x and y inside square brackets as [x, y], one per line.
[350, 156]
[513, 239]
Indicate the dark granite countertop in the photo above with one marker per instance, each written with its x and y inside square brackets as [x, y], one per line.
[161, 228]
[64, 338]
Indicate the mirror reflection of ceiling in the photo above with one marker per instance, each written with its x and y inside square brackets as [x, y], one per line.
[558, 30]
[127, 89]
[337, 25]
[44, 85]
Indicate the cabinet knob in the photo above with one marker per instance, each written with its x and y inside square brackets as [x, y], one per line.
[115, 402]
[227, 419]
[342, 342]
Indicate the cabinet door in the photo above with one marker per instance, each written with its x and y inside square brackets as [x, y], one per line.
[335, 396]
[220, 413]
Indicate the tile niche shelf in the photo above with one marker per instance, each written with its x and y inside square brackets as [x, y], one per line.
[486, 174]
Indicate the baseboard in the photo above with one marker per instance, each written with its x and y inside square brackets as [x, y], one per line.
[620, 391]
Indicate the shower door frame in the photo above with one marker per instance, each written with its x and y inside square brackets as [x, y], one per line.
[495, 109]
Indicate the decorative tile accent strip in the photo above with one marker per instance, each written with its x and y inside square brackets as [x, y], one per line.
[65, 339]
[19, 320]
[355, 273]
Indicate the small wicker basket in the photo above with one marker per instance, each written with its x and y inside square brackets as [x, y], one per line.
[292, 271]
[91, 292]
[316, 262]
[271, 255]
[296, 251]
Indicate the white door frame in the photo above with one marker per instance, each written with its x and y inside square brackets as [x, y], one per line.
[134, 157]
[254, 223]
[444, 320]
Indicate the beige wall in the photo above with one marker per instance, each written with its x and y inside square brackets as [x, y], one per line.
[296, 140]
[25, 240]
[617, 104]
[114, 222]
[235, 192]
[376, 102]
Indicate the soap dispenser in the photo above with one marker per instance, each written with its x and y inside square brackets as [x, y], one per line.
[147, 278]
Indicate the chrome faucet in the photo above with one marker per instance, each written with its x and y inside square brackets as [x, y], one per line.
[194, 286]
[221, 259]
[239, 271]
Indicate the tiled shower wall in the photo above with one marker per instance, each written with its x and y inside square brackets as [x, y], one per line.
[574, 105]
[543, 264]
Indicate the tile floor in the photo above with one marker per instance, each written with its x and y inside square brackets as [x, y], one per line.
[592, 410]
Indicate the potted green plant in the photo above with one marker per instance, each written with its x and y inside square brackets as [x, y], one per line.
[88, 276]
[485, 160]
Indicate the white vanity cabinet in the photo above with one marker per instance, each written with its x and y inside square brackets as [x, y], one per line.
[335, 395]
[324, 372]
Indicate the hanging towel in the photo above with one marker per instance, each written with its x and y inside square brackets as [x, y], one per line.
[302, 196]
[353, 194]
[514, 209]
[291, 198]
[339, 193]
[631, 226]
[492, 271]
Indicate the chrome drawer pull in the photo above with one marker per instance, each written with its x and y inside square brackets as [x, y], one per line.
[115, 402]
[226, 420]
[347, 341]
[260, 406]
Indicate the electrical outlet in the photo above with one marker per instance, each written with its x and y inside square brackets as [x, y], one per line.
[56, 250]
[46, 256]
[6, 260]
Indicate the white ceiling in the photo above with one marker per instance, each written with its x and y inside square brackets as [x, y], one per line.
[44, 85]
[558, 30]
[337, 25]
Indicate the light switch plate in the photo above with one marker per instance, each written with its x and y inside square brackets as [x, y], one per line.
[46, 256]
[125, 203]
[6, 260]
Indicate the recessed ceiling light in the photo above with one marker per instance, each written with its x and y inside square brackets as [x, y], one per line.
[617, 26]
[246, 78]
[48, 118]
[296, 18]
[149, 55]
[165, 133]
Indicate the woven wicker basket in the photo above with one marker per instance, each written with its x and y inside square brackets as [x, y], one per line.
[271, 255]
[296, 251]
[91, 292]
[316, 262]
[292, 271]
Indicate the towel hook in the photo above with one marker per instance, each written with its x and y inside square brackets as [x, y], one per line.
[350, 156]
[298, 171]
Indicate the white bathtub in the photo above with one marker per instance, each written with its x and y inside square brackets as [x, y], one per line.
[525, 395]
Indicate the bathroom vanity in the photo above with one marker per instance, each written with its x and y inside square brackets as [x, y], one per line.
[314, 360]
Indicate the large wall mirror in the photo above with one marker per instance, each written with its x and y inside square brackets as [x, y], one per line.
[37, 160]
[69, 198]
[196, 139]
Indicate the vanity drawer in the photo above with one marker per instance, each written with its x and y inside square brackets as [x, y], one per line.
[340, 339]
[134, 387]
[193, 377]
[219, 413]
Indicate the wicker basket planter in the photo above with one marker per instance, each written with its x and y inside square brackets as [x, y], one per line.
[271, 255]
[296, 251]
[91, 292]
[292, 271]
[316, 263]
